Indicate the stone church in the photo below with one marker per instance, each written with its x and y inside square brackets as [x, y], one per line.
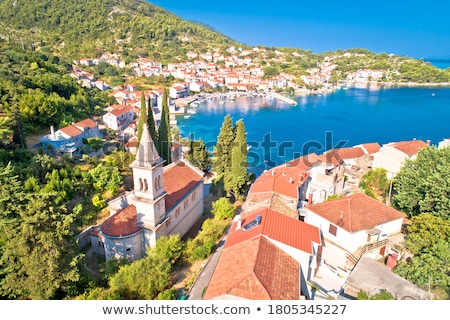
[166, 200]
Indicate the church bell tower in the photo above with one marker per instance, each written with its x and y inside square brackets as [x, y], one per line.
[148, 179]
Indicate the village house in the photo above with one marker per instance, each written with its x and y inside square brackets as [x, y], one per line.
[392, 156]
[166, 200]
[267, 256]
[70, 138]
[179, 90]
[354, 226]
[120, 118]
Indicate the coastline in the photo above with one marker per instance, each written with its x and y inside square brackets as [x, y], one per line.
[372, 85]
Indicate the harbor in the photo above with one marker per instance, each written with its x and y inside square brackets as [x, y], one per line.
[284, 99]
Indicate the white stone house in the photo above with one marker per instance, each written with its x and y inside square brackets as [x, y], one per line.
[352, 226]
[393, 155]
[118, 119]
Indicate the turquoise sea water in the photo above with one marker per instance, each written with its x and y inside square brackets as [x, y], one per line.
[442, 64]
[279, 132]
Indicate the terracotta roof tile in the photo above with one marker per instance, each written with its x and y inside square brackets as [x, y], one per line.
[71, 130]
[179, 178]
[281, 180]
[359, 212]
[276, 226]
[350, 153]
[371, 147]
[410, 147]
[331, 157]
[122, 223]
[86, 123]
[305, 162]
[258, 270]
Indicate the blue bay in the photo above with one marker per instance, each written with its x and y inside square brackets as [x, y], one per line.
[279, 132]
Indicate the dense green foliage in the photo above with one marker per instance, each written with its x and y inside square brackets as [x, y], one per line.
[78, 28]
[382, 295]
[423, 184]
[429, 241]
[36, 92]
[164, 139]
[236, 180]
[223, 209]
[199, 155]
[39, 257]
[142, 116]
[230, 158]
[375, 183]
[151, 124]
[223, 149]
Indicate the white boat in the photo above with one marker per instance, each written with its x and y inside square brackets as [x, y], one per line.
[187, 116]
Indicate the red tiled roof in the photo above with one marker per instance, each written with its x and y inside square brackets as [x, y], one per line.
[371, 147]
[122, 223]
[86, 123]
[281, 180]
[71, 130]
[331, 157]
[410, 147]
[305, 162]
[350, 153]
[179, 179]
[258, 270]
[276, 226]
[118, 112]
[359, 212]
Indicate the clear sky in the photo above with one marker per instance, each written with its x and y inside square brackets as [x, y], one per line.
[419, 29]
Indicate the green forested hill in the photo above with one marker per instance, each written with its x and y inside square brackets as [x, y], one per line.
[78, 28]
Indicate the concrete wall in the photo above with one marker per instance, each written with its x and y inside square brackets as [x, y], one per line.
[84, 237]
[129, 247]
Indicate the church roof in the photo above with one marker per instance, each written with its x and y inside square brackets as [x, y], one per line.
[122, 223]
[179, 178]
[146, 155]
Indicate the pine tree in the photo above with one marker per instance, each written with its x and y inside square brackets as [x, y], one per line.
[142, 116]
[223, 149]
[151, 123]
[164, 140]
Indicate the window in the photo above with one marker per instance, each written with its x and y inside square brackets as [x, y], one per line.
[140, 184]
[145, 185]
[333, 230]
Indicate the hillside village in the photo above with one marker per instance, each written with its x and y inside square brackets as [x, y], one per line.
[302, 246]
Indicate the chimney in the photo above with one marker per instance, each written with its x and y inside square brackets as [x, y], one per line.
[290, 180]
[340, 220]
[239, 222]
[52, 132]
[428, 142]
[310, 198]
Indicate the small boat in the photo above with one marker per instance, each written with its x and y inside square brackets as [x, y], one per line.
[433, 94]
[187, 116]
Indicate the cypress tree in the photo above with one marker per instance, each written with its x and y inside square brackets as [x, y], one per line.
[199, 155]
[164, 140]
[236, 178]
[223, 148]
[151, 123]
[142, 116]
